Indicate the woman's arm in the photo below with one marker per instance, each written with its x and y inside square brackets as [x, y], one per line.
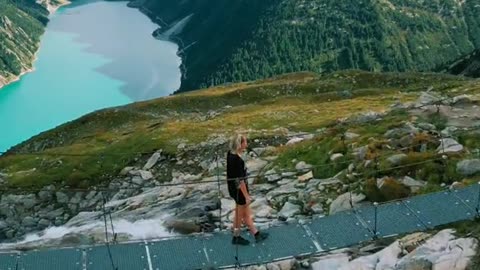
[243, 188]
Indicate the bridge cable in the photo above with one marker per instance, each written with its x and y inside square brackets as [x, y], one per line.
[107, 241]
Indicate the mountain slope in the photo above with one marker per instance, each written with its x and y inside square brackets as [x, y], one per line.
[22, 23]
[111, 139]
[251, 40]
[356, 131]
[468, 65]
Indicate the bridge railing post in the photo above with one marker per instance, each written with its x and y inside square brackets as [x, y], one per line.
[375, 233]
[477, 208]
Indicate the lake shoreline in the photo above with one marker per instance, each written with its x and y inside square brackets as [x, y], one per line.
[16, 78]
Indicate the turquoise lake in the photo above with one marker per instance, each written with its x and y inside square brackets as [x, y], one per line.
[93, 55]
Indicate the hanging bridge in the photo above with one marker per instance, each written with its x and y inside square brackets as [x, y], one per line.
[215, 251]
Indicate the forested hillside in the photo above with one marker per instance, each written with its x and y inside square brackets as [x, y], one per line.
[22, 23]
[468, 65]
[250, 40]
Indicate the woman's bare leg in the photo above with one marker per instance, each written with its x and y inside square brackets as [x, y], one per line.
[248, 219]
[237, 219]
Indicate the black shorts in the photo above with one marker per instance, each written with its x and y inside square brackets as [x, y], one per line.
[236, 194]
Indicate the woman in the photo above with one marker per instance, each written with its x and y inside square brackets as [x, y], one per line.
[238, 190]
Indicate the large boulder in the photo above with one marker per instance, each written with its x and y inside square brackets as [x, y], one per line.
[342, 202]
[449, 145]
[289, 210]
[468, 167]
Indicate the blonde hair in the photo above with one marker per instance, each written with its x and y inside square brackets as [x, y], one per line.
[236, 142]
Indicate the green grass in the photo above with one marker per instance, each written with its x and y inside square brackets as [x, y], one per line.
[316, 153]
[109, 140]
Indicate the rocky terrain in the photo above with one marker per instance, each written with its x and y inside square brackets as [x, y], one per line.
[312, 147]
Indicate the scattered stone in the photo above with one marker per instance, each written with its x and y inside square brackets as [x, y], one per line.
[468, 167]
[462, 99]
[336, 156]
[413, 184]
[137, 180]
[146, 175]
[449, 145]
[126, 170]
[427, 126]
[427, 99]
[342, 202]
[332, 261]
[351, 135]
[294, 140]
[305, 177]
[448, 131]
[360, 153]
[62, 197]
[396, 159]
[302, 166]
[152, 160]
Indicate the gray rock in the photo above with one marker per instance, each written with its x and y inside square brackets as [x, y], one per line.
[342, 202]
[258, 151]
[62, 197]
[152, 160]
[54, 214]
[366, 117]
[90, 195]
[90, 203]
[360, 153]
[45, 195]
[396, 159]
[317, 208]
[396, 133]
[449, 145]
[351, 135]
[43, 223]
[10, 234]
[29, 221]
[413, 184]
[181, 146]
[448, 131]
[416, 264]
[427, 98]
[58, 222]
[146, 175]
[288, 174]
[294, 140]
[256, 164]
[462, 99]
[302, 166]
[427, 126]
[336, 156]
[272, 178]
[77, 198]
[282, 190]
[406, 140]
[468, 167]
[137, 180]
[126, 170]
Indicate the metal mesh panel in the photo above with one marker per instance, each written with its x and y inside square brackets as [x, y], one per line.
[439, 208]
[392, 219]
[287, 241]
[8, 261]
[469, 196]
[131, 256]
[339, 230]
[221, 252]
[60, 259]
[178, 254]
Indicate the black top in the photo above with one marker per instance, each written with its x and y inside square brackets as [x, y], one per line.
[235, 169]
